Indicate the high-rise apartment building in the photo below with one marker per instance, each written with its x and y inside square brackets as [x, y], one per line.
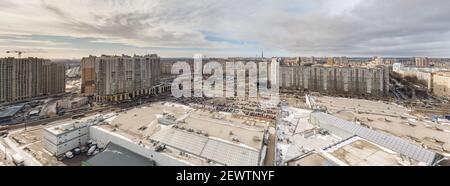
[25, 78]
[422, 62]
[336, 80]
[116, 78]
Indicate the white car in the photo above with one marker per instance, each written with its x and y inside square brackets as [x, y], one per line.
[69, 155]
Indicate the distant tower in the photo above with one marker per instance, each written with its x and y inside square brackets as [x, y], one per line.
[262, 54]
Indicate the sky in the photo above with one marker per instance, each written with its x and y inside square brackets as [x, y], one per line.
[225, 28]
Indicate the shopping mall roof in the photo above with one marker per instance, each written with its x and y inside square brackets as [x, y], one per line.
[388, 141]
[217, 150]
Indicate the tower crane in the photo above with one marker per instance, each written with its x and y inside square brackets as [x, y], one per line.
[19, 53]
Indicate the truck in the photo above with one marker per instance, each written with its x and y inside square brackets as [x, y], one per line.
[18, 160]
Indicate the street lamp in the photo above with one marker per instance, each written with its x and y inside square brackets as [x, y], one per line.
[27, 116]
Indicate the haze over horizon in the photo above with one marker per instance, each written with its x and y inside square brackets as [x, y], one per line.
[173, 28]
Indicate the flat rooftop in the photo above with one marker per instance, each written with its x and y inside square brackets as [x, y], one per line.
[390, 118]
[225, 126]
[223, 152]
[71, 125]
[221, 137]
[347, 129]
[135, 120]
[336, 104]
[297, 136]
[359, 152]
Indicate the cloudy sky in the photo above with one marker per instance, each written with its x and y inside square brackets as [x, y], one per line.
[177, 28]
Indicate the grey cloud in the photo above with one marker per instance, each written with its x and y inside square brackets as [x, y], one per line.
[302, 27]
[141, 27]
[397, 27]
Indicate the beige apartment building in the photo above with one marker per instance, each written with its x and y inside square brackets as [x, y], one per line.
[441, 84]
[26, 78]
[116, 78]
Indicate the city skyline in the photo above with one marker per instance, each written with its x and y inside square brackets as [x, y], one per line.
[58, 29]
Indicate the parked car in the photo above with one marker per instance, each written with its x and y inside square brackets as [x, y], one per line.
[76, 151]
[69, 155]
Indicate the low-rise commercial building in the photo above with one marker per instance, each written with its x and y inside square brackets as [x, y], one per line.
[73, 103]
[63, 138]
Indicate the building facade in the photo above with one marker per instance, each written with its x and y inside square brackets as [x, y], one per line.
[336, 80]
[436, 79]
[116, 78]
[441, 84]
[422, 62]
[63, 138]
[26, 78]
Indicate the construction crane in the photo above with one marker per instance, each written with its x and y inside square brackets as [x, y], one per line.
[19, 53]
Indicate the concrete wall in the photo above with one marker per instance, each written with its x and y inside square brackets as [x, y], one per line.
[48, 136]
[65, 137]
[59, 149]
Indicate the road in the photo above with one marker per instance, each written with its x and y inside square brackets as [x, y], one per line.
[124, 105]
